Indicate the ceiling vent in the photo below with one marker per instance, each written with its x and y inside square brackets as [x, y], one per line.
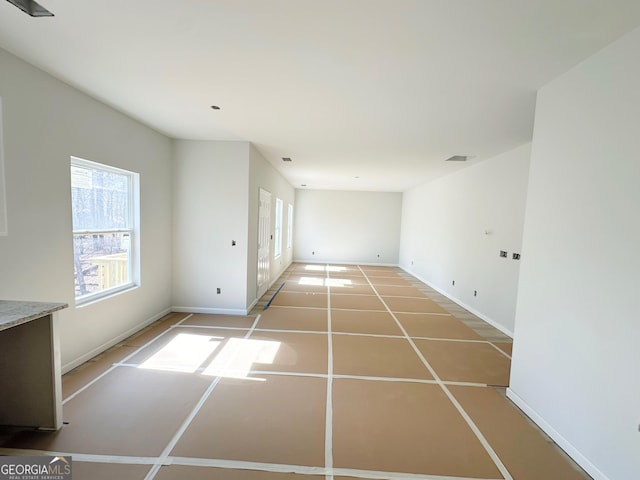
[31, 8]
[457, 158]
[286, 159]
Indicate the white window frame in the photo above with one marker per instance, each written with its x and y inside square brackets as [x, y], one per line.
[290, 226]
[278, 229]
[133, 230]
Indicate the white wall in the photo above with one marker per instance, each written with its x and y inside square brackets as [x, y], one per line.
[263, 175]
[210, 188]
[344, 226]
[46, 122]
[576, 351]
[3, 196]
[444, 239]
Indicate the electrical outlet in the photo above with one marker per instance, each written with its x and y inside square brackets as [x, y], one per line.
[516, 256]
[218, 291]
[233, 243]
[475, 293]
[453, 283]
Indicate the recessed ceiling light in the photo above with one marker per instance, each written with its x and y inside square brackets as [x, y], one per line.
[356, 177]
[215, 107]
[286, 159]
[303, 185]
[457, 158]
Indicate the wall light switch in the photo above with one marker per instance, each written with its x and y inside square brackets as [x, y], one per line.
[516, 256]
[503, 254]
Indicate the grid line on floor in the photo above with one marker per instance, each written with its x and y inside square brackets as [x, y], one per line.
[503, 470]
[164, 456]
[74, 394]
[328, 459]
[329, 471]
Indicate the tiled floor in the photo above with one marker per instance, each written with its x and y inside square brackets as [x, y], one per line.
[352, 372]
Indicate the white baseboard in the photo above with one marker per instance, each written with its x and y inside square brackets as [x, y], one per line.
[489, 320]
[226, 311]
[213, 311]
[562, 442]
[107, 345]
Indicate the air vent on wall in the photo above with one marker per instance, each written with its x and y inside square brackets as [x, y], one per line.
[457, 158]
[31, 8]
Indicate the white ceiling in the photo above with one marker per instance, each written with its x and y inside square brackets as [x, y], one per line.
[383, 90]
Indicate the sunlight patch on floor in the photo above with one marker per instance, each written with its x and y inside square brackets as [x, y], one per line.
[238, 356]
[184, 353]
[326, 282]
[324, 268]
[188, 353]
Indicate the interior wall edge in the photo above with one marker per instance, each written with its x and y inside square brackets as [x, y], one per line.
[455, 300]
[562, 442]
[575, 356]
[67, 367]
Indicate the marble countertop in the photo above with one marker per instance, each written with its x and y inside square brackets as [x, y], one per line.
[13, 313]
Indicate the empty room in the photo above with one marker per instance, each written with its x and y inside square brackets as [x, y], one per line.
[295, 240]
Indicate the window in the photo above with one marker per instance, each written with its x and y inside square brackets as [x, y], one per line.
[290, 227]
[278, 243]
[104, 203]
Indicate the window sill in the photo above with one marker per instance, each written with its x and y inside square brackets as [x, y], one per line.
[105, 294]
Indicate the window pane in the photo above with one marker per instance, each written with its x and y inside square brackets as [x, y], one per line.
[100, 199]
[101, 261]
